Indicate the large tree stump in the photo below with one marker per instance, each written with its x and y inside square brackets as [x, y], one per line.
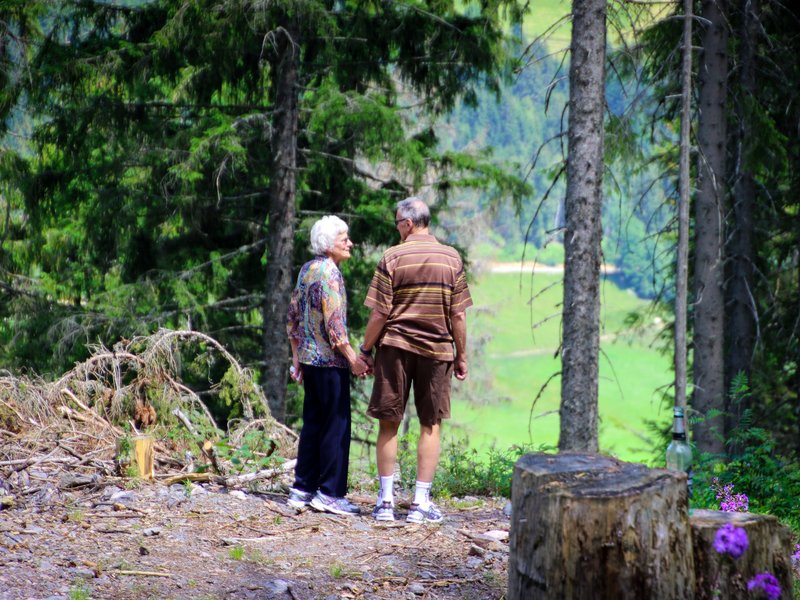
[720, 575]
[590, 526]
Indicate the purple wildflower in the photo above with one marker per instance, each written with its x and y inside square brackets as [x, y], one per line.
[796, 555]
[768, 585]
[737, 503]
[731, 540]
[730, 502]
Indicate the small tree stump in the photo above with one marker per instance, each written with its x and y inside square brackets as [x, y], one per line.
[143, 455]
[590, 526]
[721, 576]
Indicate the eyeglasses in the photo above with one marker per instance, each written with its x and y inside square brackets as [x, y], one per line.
[398, 221]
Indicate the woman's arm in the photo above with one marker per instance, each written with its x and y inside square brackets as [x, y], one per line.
[296, 371]
[333, 311]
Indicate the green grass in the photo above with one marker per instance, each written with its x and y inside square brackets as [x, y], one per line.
[521, 358]
[542, 17]
[546, 22]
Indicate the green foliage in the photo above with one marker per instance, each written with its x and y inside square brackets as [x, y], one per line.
[769, 476]
[80, 591]
[337, 570]
[236, 553]
[233, 388]
[253, 453]
[770, 479]
[144, 200]
[462, 471]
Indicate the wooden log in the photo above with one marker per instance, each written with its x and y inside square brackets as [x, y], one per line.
[209, 450]
[143, 455]
[720, 575]
[590, 526]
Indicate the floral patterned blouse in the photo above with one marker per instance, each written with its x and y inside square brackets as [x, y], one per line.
[317, 316]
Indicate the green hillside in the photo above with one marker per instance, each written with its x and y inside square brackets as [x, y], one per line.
[520, 359]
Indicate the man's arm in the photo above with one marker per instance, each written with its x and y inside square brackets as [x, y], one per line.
[373, 333]
[459, 323]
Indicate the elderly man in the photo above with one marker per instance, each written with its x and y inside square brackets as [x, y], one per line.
[418, 298]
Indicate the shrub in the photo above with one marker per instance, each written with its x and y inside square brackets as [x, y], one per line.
[462, 470]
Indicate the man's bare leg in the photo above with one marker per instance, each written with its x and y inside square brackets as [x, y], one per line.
[428, 449]
[386, 454]
[386, 447]
[427, 460]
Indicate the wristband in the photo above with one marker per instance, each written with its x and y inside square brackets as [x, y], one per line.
[364, 351]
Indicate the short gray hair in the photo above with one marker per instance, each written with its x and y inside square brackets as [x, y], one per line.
[415, 209]
[324, 232]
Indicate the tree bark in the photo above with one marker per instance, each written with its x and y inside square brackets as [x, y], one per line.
[583, 230]
[719, 575]
[741, 310]
[282, 212]
[684, 186]
[709, 385]
[590, 526]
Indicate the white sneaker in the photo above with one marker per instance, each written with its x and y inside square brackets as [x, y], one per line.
[337, 506]
[384, 512]
[429, 515]
[298, 499]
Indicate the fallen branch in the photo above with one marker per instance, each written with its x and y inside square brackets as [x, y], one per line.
[143, 573]
[194, 477]
[29, 462]
[185, 420]
[263, 474]
[232, 481]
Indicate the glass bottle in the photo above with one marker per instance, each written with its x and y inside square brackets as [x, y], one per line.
[679, 453]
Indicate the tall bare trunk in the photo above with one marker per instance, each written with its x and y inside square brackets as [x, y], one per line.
[739, 301]
[684, 185]
[282, 211]
[709, 386]
[583, 232]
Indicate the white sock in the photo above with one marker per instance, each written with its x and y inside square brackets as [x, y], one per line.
[422, 494]
[387, 490]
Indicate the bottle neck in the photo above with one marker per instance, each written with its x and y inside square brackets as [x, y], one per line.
[678, 428]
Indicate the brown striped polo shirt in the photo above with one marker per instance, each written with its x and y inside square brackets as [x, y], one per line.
[419, 284]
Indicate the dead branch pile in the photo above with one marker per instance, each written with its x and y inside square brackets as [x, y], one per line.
[70, 430]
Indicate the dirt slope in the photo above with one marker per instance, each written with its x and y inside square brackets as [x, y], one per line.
[203, 542]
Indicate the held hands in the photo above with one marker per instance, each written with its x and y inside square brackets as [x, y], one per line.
[362, 366]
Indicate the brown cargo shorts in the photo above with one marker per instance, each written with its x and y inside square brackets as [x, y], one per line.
[395, 372]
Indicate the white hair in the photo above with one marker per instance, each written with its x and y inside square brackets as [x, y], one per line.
[324, 232]
[415, 209]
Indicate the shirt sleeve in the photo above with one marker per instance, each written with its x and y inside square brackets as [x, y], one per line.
[379, 294]
[293, 318]
[462, 299]
[334, 309]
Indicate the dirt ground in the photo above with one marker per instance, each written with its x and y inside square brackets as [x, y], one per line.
[192, 541]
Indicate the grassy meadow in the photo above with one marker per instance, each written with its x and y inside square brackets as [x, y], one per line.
[517, 341]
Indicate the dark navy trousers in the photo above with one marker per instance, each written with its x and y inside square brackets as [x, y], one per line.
[323, 453]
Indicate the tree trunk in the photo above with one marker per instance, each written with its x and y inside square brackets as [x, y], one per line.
[719, 575]
[709, 386]
[282, 211]
[741, 311]
[684, 185]
[590, 526]
[583, 230]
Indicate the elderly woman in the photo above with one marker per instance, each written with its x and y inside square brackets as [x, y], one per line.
[322, 359]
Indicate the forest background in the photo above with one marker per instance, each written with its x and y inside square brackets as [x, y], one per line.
[142, 186]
